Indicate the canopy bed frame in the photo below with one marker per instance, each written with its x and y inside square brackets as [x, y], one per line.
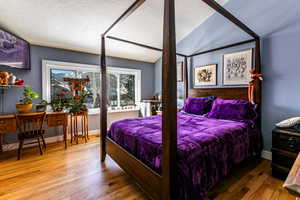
[162, 186]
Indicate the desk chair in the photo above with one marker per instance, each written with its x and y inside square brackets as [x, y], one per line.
[30, 126]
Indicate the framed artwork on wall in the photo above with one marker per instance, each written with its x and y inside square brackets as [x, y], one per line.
[236, 67]
[205, 75]
[180, 72]
[14, 51]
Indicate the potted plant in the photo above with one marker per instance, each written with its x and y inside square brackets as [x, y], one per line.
[42, 106]
[25, 104]
[60, 102]
[77, 105]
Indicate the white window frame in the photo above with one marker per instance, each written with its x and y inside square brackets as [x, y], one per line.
[47, 65]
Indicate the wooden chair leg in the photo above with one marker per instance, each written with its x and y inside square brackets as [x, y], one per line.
[87, 126]
[40, 146]
[71, 118]
[20, 148]
[1, 143]
[76, 129]
[84, 129]
[44, 142]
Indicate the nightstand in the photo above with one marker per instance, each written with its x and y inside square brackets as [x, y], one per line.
[285, 148]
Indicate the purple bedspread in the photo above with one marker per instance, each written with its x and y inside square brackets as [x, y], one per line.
[207, 148]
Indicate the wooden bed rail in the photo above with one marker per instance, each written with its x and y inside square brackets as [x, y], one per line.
[223, 47]
[148, 180]
[141, 45]
[126, 14]
[225, 13]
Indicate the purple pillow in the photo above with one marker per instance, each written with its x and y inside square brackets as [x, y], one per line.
[197, 105]
[235, 110]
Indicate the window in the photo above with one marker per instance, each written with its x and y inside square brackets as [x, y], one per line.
[180, 94]
[123, 85]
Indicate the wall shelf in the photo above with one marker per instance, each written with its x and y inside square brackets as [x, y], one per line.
[3, 88]
[10, 86]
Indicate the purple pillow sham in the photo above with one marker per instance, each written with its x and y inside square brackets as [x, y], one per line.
[197, 105]
[236, 110]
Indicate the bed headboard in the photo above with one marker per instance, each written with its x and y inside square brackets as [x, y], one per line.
[224, 93]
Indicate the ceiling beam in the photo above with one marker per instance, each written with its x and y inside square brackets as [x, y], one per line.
[126, 14]
[217, 7]
[223, 47]
[141, 45]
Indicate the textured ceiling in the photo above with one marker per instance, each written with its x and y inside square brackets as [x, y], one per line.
[78, 24]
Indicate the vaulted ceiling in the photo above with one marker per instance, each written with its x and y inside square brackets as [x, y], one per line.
[78, 24]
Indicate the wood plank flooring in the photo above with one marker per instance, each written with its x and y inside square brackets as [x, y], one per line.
[77, 174]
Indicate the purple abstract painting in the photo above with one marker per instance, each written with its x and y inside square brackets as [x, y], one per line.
[14, 51]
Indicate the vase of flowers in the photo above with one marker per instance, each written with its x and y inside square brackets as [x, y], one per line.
[26, 102]
[42, 106]
[76, 105]
[58, 104]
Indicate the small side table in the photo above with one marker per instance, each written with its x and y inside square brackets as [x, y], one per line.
[82, 118]
[285, 148]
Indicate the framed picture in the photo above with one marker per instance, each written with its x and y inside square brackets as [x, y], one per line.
[14, 51]
[205, 75]
[180, 72]
[236, 67]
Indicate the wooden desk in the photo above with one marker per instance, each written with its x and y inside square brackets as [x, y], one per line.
[292, 183]
[8, 124]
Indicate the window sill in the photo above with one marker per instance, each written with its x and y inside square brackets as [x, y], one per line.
[113, 111]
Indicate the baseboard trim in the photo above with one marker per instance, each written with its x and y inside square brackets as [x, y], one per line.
[266, 155]
[60, 138]
[9, 147]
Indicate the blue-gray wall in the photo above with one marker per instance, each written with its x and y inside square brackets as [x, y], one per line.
[34, 76]
[278, 23]
[281, 67]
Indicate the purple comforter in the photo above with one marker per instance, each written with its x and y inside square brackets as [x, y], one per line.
[207, 148]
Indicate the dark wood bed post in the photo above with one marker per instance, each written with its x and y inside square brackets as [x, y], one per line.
[258, 92]
[258, 70]
[103, 96]
[169, 97]
[186, 78]
[103, 107]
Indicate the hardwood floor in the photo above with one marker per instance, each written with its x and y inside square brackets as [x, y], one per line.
[76, 174]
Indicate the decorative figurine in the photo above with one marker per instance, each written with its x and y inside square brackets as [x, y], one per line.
[12, 79]
[4, 78]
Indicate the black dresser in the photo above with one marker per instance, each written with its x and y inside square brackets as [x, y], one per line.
[285, 148]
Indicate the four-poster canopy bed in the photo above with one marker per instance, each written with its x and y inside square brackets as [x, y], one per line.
[162, 185]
